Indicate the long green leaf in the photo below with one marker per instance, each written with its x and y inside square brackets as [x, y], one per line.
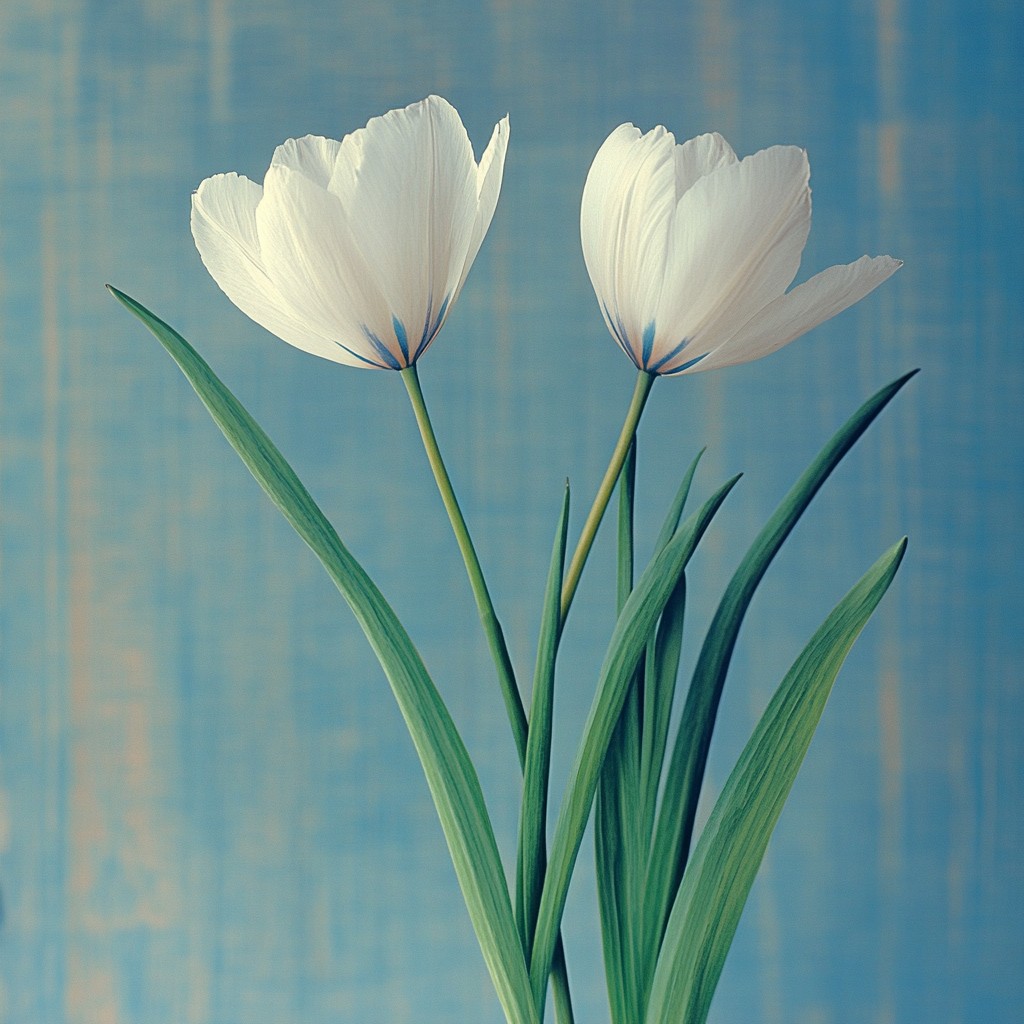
[675, 512]
[450, 775]
[620, 854]
[689, 757]
[533, 817]
[661, 666]
[628, 788]
[632, 629]
[725, 860]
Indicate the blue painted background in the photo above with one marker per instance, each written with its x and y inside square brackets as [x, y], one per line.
[210, 812]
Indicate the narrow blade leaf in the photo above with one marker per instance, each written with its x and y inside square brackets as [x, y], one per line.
[619, 852]
[661, 666]
[450, 775]
[686, 766]
[632, 629]
[725, 860]
[533, 818]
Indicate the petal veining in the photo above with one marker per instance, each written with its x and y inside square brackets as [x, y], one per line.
[356, 250]
[489, 176]
[805, 307]
[224, 229]
[738, 235]
[312, 156]
[625, 219]
[690, 251]
[310, 256]
[407, 183]
[698, 157]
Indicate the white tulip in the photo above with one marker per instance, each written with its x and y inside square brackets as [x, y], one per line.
[691, 250]
[355, 250]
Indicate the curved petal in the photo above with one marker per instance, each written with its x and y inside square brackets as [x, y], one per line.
[310, 256]
[737, 237]
[806, 306]
[698, 157]
[312, 156]
[489, 176]
[625, 219]
[598, 210]
[407, 184]
[224, 229]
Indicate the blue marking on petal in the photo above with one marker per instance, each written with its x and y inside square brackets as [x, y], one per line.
[670, 355]
[618, 330]
[425, 333]
[390, 362]
[686, 366]
[436, 326]
[430, 328]
[403, 341]
[360, 357]
[647, 343]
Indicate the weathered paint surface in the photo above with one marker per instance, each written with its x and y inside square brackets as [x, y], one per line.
[209, 810]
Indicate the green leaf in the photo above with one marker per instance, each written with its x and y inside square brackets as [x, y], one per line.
[661, 668]
[450, 775]
[632, 629]
[662, 664]
[628, 789]
[726, 858]
[533, 818]
[627, 491]
[620, 861]
[671, 523]
[686, 767]
[619, 850]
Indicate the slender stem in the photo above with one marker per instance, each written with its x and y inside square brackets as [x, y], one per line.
[488, 617]
[492, 629]
[644, 382]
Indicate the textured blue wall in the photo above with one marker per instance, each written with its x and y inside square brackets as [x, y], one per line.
[210, 812]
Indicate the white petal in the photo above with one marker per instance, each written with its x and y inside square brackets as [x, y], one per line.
[737, 237]
[489, 175]
[310, 256]
[625, 218]
[598, 216]
[224, 229]
[407, 184]
[312, 156]
[806, 306]
[699, 156]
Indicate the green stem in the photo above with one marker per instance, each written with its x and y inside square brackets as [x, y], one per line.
[492, 628]
[644, 382]
[488, 617]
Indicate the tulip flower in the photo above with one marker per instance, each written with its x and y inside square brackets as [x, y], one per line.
[355, 250]
[691, 250]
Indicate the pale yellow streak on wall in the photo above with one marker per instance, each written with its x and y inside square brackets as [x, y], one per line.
[890, 158]
[719, 66]
[91, 992]
[148, 846]
[889, 48]
[220, 60]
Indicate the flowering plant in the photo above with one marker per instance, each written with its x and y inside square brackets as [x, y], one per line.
[356, 251]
